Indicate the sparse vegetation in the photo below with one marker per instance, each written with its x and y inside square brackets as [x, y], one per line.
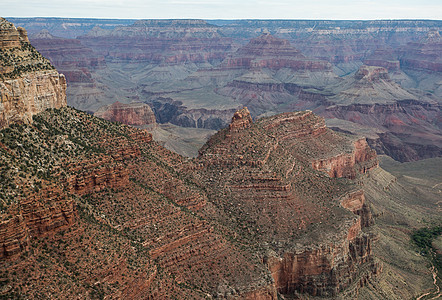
[17, 61]
[423, 239]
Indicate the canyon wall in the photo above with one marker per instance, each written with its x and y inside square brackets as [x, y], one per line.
[28, 83]
[30, 94]
[137, 114]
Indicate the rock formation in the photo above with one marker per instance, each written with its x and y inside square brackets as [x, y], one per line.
[171, 42]
[240, 120]
[169, 111]
[261, 166]
[268, 66]
[69, 56]
[137, 114]
[29, 84]
[402, 118]
[78, 63]
[270, 52]
[424, 55]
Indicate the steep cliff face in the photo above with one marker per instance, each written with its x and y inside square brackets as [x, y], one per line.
[28, 86]
[171, 42]
[30, 94]
[28, 83]
[303, 271]
[423, 55]
[169, 111]
[130, 114]
[360, 160]
[270, 52]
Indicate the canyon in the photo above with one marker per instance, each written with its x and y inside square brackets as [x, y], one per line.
[196, 74]
[275, 206]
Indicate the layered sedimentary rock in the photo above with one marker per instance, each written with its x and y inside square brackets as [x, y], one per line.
[262, 211]
[424, 55]
[213, 69]
[343, 43]
[108, 166]
[161, 41]
[38, 214]
[174, 208]
[130, 114]
[265, 178]
[69, 56]
[385, 57]
[30, 94]
[167, 110]
[269, 73]
[67, 27]
[404, 119]
[79, 64]
[9, 35]
[28, 85]
[270, 52]
[14, 237]
[302, 271]
[360, 160]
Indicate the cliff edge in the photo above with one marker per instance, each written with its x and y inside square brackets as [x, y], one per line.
[29, 84]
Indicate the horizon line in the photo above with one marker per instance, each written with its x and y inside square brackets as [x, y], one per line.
[222, 19]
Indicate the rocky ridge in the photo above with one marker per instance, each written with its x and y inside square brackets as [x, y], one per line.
[29, 84]
[267, 163]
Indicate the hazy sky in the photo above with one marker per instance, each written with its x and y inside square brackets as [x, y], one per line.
[225, 9]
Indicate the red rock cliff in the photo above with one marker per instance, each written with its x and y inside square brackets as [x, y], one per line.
[38, 214]
[360, 160]
[273, 195]
[130, 114]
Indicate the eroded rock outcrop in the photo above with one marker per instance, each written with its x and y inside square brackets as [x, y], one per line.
[265, 178]
[360, 160]
[240, 120]
[169, 111]
[28, 83]
[38, 214]
[30, 94]
[303, 270]
[137, 114]
[14, 237]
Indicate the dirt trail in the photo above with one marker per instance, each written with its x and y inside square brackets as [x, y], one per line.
[437, 293]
